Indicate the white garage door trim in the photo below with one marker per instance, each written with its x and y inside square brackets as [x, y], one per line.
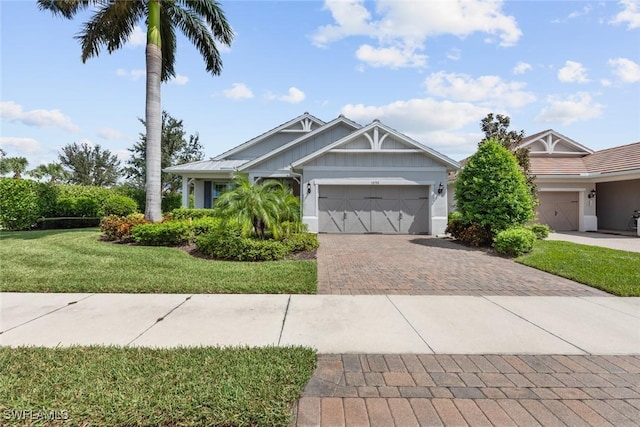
[361, 209]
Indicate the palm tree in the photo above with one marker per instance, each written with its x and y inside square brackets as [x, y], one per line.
[202, 22]
[258, 206]
[54, 171]
[15, 165]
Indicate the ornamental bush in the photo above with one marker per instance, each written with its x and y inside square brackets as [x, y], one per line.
[514, 241]
[540, 230]
[230, 245]
[119, 205]
[184, 213]
[492, 192]
[300, 242]
[118, 228]
[19, 203]
[172, 233]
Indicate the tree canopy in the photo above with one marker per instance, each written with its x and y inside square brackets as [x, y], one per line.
[175, 148]
[90, 165]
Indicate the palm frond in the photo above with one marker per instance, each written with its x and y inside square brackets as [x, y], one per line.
[110, 26]
[66, 8]
[202, 33]
[168, 36]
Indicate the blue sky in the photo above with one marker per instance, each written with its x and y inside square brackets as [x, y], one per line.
[430, 69]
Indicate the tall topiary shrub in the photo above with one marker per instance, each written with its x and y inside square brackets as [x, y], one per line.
[19, 203]
[492, 191]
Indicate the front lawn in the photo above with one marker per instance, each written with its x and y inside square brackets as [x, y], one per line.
[118, 386]
[613, 271]
[77, 261]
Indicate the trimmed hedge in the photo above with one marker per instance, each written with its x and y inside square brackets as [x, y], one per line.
[119, 205]
[230, 245]
[514, 241]
[540, 230]
[68, 222]
[172, 233]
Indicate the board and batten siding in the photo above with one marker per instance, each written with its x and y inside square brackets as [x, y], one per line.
[266, 146]
[283, 159]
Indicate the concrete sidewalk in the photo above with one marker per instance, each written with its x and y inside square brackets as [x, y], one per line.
[611, 241]
[377, 324]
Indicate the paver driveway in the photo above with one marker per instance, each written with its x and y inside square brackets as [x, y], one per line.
[425, 265]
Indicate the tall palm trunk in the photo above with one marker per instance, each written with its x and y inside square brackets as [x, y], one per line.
[153, 114]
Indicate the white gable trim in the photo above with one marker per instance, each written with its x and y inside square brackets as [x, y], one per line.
[376, 143]
[551, 138]
[306, 121]
[327, 126]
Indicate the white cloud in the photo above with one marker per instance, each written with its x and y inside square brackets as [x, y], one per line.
[133, 75]
[522, 67]
[625, 69]
[391, 57]
[238, 91]
[454, 54]
[573, 72]
[404, 26]
[21, 145]
[605, 82]
[13, 112]
[137, 38]
[572, 109]
[110, 134]
[630, 14]
[179, 79]
[122, 155]
[584, 11]
[485, 89]
[293, 96]
[419, 116]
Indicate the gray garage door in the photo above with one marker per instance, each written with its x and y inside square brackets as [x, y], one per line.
[373, 209]
[558, 209]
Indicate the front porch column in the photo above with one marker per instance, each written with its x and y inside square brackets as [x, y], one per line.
[185, 192]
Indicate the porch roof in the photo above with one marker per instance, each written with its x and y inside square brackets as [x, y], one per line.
[207, 166]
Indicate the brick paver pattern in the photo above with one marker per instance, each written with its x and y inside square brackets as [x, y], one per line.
[424, 265]
[457, 390]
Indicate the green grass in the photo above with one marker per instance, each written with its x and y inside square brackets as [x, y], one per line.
[77, 261]
[115, 386]
[613, 271]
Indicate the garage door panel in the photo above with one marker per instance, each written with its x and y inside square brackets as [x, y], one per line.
[559, 210]
[373, 209]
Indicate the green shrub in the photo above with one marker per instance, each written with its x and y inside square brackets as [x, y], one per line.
[300, 242]
[455, 224]
[135, 193]
[205, 225]
[118, 228]
[230, 245]
[86, 207]
[293, 227]
[172, 233]
[514, 241]
[47, 198]
[171, 201]
[540, 230]
[119, 205]
[492, 190]
[97, 194]
[475, 235]
[67, 222]
[184, 213]
[19, 203]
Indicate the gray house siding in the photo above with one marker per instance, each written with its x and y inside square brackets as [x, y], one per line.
[265, 146]
[616, 202]
[284, 159]
[377, 159]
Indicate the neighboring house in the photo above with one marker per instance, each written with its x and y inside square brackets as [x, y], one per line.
[580, 189]
[350, 178]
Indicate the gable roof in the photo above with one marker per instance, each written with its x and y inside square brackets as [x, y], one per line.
[616, 159]
[376, 124]
[267, 134]
[550, 138]
[338, 120]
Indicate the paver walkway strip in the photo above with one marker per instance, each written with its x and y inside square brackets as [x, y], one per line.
[361, 389]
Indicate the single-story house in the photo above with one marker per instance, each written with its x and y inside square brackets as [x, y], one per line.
[350, 178]
[578, 188]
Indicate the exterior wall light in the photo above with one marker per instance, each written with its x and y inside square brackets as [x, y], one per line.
[592, 194]
[308, 188]
[440, 189]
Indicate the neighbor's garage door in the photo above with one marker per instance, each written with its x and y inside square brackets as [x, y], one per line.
[373, 209]
[559, 210]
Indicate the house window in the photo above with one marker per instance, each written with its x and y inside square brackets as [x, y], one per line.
[217, 188]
